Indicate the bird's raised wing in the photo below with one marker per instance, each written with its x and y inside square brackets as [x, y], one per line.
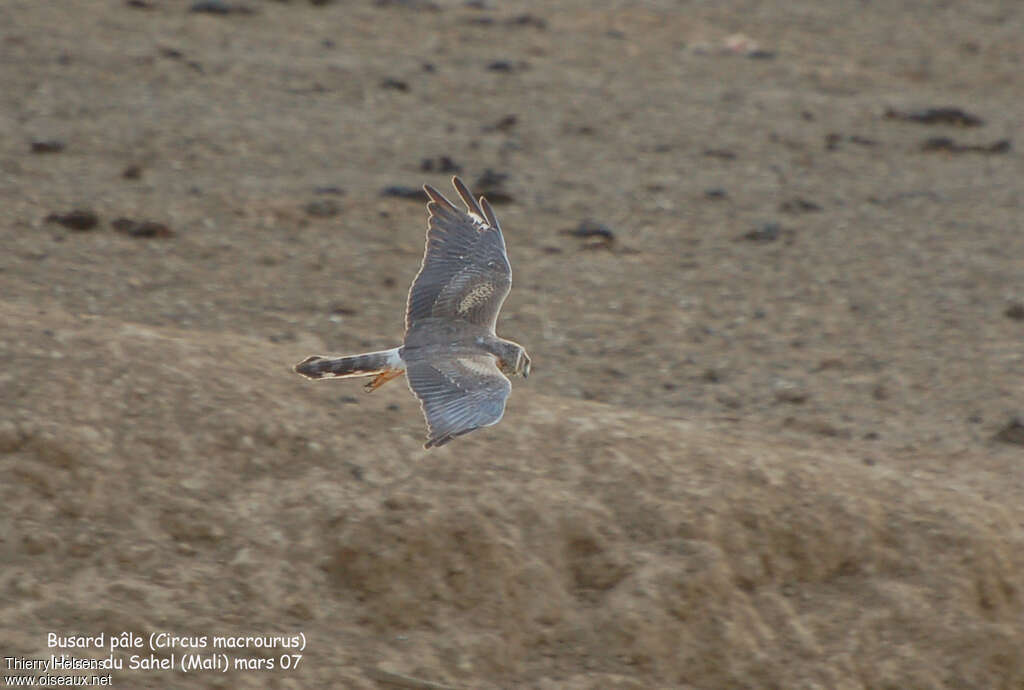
[458, 394]
[465, 273]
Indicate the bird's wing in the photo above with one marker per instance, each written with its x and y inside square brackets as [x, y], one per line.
[465, 273]
[458, 394]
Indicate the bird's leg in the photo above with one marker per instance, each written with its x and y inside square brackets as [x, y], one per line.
[382, 378]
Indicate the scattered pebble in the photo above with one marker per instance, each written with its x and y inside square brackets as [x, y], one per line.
[799, 205]
[505, 124]
[403, 192]
[716, 194]
[441, 164]
[1012, 433]
[78, 219]
[1015, 311]
[711, 376]
[329, 189]
[492, 185]
[936, 116]
[141, 228]
[506, 66]
[947, 145]
[395, 84]
[219, 7]
[48, 146]
[419, 5]
[528, 20]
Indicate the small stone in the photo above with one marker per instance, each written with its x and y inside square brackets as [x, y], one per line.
[799, 205]
[141, 228]
[78, 219]
[403, 192]
[48, 146]
[394, 84]
[1015, 311]
[936, 116]
[1012, 433]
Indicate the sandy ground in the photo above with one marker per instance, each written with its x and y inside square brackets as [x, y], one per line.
[769, 438]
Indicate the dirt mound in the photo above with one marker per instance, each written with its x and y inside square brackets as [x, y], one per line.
[638, 551]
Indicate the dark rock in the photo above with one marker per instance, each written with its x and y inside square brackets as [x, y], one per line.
[418, 5]
[396, 84]
[403, 192]
[141, 228]
[442, 164]
[132, 172]
[1012, 433]
[715, 193]
[48, 146]
[1015, 311]
[329, 189]
[78, 219]
[505, 124]
[947, 145]
[528, 20]
[936, 116]
[799, 205]
[219, 7]
[506, 66]
[492, 185]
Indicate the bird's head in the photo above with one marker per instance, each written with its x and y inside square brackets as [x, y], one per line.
[515, 361]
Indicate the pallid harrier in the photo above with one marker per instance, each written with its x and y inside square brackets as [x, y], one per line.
[452, 359]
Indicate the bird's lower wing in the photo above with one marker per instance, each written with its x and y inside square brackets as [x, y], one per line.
[458, 394]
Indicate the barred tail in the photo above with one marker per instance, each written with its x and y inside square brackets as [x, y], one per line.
[368, 364]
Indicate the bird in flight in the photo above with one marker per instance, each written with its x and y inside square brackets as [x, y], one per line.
[453, 361]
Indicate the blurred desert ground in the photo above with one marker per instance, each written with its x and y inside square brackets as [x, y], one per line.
[769, 439]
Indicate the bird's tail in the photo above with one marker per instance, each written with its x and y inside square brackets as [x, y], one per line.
[369, 364]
